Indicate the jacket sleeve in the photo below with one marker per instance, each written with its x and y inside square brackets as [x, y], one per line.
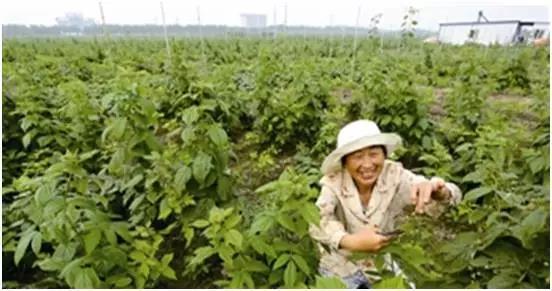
[434, 208]
[331, 229]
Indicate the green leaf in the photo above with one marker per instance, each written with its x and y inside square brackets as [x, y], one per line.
[217, 135]
[182, 177]
[51, 264]
[164, 208]
[144, 269]
[224, 186]
[284, 258]
[44, 193]
[117, 160]
[121, 228]
[168, 272]
[153, 142]
[22, 245]
[201, 254]
[473, 177]
[201, 166]
[261, 247]
[228, 211]
[311, 213]
[286, 221]
[85, 279]
[536, 220]
[119, 281]
[122, 282]
[91, 274]
[200, 223]
[26, 123]
[140, 282]
[390, 283]
[92, 239]
[188, 235]
[506, 278]
[232, 221]
[481, 261]
[329, 283]
[216, 215]
[491, 234]
[133, 182]
[27, 139]
[234, 237]
[36, 243]
[85, 156]
[118, 127]
[225, 253]
[237, 281]
[477, 192]
[54, 206]
[413, 254]
[536, 165]
[187, 135]
[71, 267]
[262, 224]
[65, 252]
[248, 281]
[190, 115]
[256, 266]
[137, 256]
[116, 255]
[268, 187]
[301, 263]
[290, 274]
[110, 236]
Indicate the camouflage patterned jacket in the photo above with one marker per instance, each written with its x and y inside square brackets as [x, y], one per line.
[341, 212]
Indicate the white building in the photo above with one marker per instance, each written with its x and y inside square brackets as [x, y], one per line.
[253, 20]
[493, 32]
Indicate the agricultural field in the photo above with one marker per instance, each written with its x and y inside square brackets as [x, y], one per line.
[123, 167]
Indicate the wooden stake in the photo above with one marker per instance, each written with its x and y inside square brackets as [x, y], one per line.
[165, 32]
[103, 19]
[355, 43]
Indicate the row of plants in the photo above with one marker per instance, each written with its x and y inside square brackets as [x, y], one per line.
[123, 168]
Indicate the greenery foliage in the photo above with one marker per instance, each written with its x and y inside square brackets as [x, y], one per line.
[123, 168]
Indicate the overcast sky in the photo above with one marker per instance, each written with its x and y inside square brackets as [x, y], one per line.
[299, 12]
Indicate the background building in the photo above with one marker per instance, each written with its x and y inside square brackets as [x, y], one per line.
[493, 32]
[253, 20]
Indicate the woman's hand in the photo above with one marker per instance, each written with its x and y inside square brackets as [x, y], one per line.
[365, 240]
[440, 191]
[421, 193]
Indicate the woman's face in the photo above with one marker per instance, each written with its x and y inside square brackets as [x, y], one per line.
[365, 165]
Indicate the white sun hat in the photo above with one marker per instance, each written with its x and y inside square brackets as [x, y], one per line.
[355, 136]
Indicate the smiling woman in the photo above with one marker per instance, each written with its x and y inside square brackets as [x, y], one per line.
[365, 165]
[362, 195]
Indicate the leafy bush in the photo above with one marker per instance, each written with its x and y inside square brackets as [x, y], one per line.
[123, 168]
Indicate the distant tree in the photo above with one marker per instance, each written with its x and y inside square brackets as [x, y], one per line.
[75, 20]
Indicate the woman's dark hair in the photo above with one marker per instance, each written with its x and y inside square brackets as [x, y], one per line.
[383, 148]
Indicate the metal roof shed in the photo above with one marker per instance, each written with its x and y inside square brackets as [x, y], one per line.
[500, 32]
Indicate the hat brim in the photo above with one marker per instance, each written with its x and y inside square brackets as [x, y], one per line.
[332, 163]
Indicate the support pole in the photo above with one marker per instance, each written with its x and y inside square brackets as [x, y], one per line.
[103, 19]
[166, 35]
[355, 43]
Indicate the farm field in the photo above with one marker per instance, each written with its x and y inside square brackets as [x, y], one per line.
[123, 167]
